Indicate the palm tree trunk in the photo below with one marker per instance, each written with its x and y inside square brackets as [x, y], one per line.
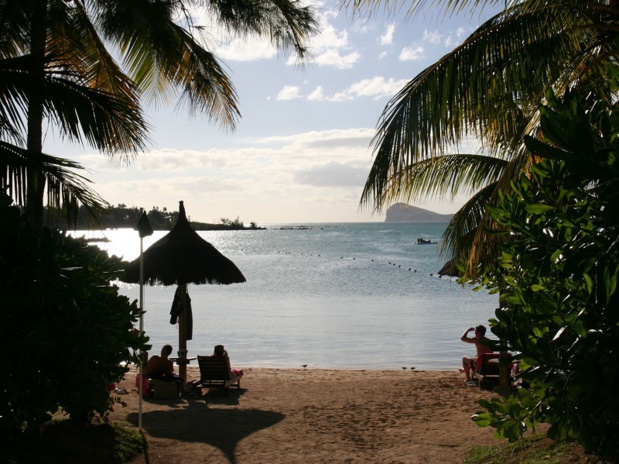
[36, 180]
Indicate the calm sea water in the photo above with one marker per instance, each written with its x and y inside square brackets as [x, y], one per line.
[350, 295]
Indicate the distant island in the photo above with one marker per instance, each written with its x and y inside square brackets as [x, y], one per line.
[121, 216]
[401, 212]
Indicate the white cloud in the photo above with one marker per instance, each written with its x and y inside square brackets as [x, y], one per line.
[316, 94]
[289, 92]
[329, 38]
[387, 37]
[341, 97]
[331, 47]
[251, 49]
[169, 161]
[333, 174]
[376, 87]
[433, 37]
[297, 169]
[413, 52]
[331, 138]
[334, 58]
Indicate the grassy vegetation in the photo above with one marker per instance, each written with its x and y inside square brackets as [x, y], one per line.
[63, 441]
[536, 449]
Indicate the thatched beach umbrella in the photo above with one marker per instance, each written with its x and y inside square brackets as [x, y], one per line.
[182, 257]
[450, 268]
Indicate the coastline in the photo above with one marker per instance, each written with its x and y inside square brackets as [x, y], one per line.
[290, 415]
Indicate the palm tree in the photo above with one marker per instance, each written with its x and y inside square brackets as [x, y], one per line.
[46, 73]
[490, 87]
[58, 67]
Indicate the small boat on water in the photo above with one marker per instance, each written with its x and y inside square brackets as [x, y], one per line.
[425, 241]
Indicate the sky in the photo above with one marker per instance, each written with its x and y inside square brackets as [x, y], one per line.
[301, 150]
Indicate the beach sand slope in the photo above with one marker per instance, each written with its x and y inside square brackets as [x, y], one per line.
[314, 416]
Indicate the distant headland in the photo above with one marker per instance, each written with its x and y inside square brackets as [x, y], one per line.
[401, 212]
[121, 216]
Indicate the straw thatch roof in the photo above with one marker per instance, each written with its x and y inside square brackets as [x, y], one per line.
[183, 257]
[450, 268]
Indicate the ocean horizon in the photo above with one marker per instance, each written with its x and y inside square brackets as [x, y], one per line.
[323, 295]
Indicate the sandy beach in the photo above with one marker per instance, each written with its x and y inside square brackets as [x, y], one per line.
[314, 416]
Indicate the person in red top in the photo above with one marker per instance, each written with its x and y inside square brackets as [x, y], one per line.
[482, 345]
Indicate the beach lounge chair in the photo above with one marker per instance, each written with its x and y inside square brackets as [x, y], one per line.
[215, 372]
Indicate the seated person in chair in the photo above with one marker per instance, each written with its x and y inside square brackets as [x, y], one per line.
[482, 345]
[221, 352]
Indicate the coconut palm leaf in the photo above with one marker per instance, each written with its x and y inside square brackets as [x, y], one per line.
[467, 241]
[490, 87]
[414, 7]
[479, 89]
[288, 23]
[13, 30]
[78, 49]
[203, 84]
[171, 55]
[105, 121]
[444, 176]
[164, 59]
[66, 189]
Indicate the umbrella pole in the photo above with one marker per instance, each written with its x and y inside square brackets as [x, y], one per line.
[141, 365]
[144, 229]
[182, 335]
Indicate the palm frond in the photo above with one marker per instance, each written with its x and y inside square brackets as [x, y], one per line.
[470, 238]
[458, 239]
[451, 7]
[105, 121]
[443, 176]
[205, 85]
[167, 55]
[14, 31]
[66, 189]
[287, 23]
[12, 105]
[478, 89]
[77, 49]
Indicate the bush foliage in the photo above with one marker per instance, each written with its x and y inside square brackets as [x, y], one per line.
[65, 328]
[557, 279]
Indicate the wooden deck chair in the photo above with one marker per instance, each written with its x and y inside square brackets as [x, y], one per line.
[215, 372]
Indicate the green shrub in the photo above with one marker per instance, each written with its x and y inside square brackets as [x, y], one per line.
[557, 280]
[65, 328]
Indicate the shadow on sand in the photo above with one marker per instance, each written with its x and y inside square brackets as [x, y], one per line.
[194, 421]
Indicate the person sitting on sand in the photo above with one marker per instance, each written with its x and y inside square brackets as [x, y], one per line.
[160, 366]
[221, 352]
[482, 345]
